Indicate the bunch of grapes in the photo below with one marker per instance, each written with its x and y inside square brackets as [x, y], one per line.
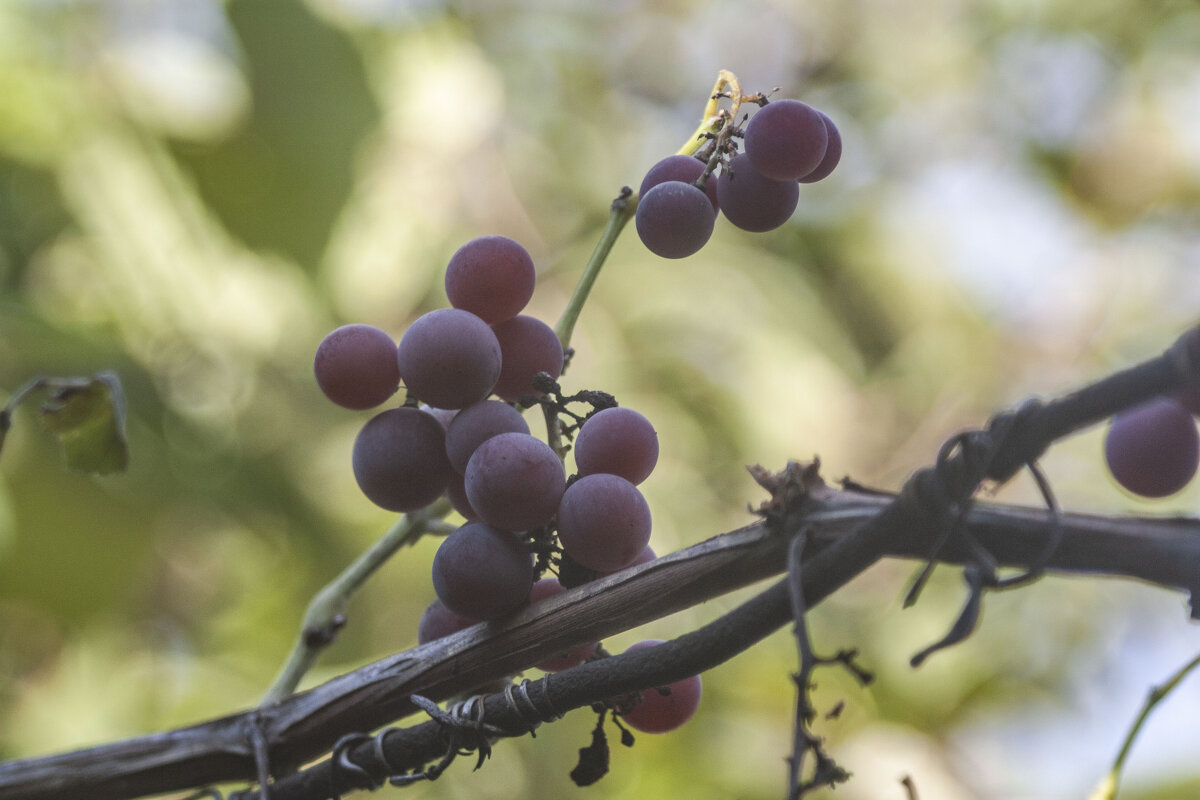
[468, 372]
[1153, 449]
[787, 143]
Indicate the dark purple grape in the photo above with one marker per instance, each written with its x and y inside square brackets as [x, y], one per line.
[456, 493]
[449, 358]
[603, 522]
[663, 710]
[786, 140]
[514, 482]
[679, 168]
[400, 459]
[482, 573]
[752, 202]
[528, 346]
[619, 441]
[492, 277]
[550, 587]
[355, 366]
[438, 621]
[674, 219]
[1153, 449]
[478, 422]
[833, 153]
[1190, 399]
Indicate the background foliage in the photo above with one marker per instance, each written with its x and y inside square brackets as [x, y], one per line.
[192, 193]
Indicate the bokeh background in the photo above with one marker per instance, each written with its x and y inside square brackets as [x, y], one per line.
[193, 192]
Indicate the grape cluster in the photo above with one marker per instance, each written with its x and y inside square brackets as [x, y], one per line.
[787, 143]
[1153, 449]
[468, 371]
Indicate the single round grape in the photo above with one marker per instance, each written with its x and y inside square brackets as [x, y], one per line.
[752, 202]
[528, 346]
[619, 441]
[661, 711]
[438, 621]
[449, 358]
[550, 587]
[679, 168]
[355, 366]
[1153, 449]
[833, 152]
[477, 422]
[400, 459]
[603, 522]
[492, 277]
[482, 573]
[674, 219]
[514, 481]
[786, 140]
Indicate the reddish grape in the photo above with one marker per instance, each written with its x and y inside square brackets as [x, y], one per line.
[482, 573]
[478, 422]
[355, 366]
[400, 459]
[492, 277]
[515, 481]
[786, 140]
[528, 346]
[438, 621]
[752, 202]
[659, 711]
[550, 587]
[603, 522]
[449, 358]
[674, 219]
[679, 168]
[1153, 449]
[619, 441]
[833, 153]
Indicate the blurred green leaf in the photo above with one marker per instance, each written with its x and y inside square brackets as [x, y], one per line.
[88, 417]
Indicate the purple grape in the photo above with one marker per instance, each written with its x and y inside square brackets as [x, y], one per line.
[478, 422]
[1153, 449]
[449, 358]
[482, 573]
[619, 441]
[674, 219]
[514, 482]
[456, 493]
[603, 522]
[492, 277]
[355, 366]
[550, 587]
[752, 202]
[833, 153]
[528, 346]
[679, 168]
[438, 621]
[400, 459]
[786, 140]
[663, 710]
